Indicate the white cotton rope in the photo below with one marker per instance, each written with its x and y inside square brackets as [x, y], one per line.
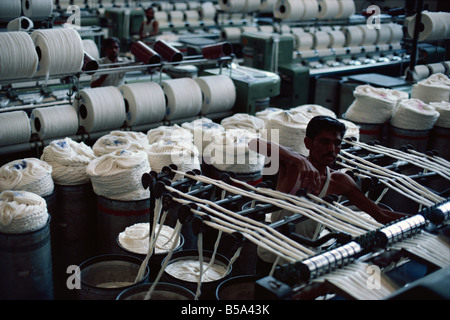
[54, 122]
[100, 108]
[373, 105]
[169, 133]
[414, 114]
[120, 140]
[18, 57]
[15, 127]
[218, 93]
[61, 51]
[90, 47]
[21, 212]
[37, 8]
[203, 131]
[443, 108]
[244, 121]
[183, 98]
[28, 174]
[10, 9]
[183, 154]
[144, 101]
[69, 160]
[435, 88]
[229, 151]
[117, 175]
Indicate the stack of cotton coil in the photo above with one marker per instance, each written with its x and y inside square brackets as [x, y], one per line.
[69, 160]
[144, 102]
[244, 121]
[218, 93]
[18, 57]
[15, 127]
[28, 174]
[183, 154]
[414, 114]
[135, 238]
[22, 212]
[443, 108]
[313, 110]
[435, 88]
[54, 122]
[373, 105]
[169, 133]
[120, 140]
[60, 51]
[117, 175]
[100, 108]
[183, 98]
[291, 129]
[229, 151]
[203, 130]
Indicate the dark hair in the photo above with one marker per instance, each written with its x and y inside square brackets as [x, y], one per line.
[324, 123]
[108, 42]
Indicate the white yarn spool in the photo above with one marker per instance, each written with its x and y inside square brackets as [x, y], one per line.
[173, 133]
[18, 55]
[177, 18]
[369, 35]
[218, 93]
[443, 108]
[54, 122]
[354, 36]
[436, 68]
[20, 24]
[434, 26]
[10, 9]
[231, 34]
[229, 152]
[312, 110]
[180, 6]
[207, 11]
[163, 19]
[289, 10]
[304, 41]
[352, 129]
[192, 17]
[183, 96]
[435, 88]
[28, 174]
[311, 9]
[321, 40]
[421, 72]
[100, 108]
[183, 154]
[203, 131]
[144, 102]
[384, 34]
[120, 140]
[37, 8]
[373, 105]
[244, 121]
[69, 160]
[251, 5]
[232, 5]
[396, 33]
[337, 39]
[61, 51]
[22, 212]
[117, 175]
[328, 9]
[15, 127]
[90, 47]
[267, 6]
[346, 9]
[414, 114]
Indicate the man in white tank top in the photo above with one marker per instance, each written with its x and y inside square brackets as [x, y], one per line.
[149, 27]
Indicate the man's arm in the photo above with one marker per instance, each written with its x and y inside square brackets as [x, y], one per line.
[292, 166]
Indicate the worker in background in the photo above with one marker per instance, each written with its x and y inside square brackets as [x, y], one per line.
[111, 51]
[149, 27]
[323, 139]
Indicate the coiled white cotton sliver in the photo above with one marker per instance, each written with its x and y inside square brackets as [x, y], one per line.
[21, 212]
[373, 105]
[54, 122]
[69, 160]
[18, 57]
[117, 175]
[218, 93]
[183, 96]
[169, 133]
[183, 154]
[120, 140]
[144, 102]
[37, 8]
[203, 130]
[414, 114]
[28, 174]
[229, 152]
[435, 88]
[60, 51]
[15, 127]
[244, 121]
[100, 108]
[444, 113]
